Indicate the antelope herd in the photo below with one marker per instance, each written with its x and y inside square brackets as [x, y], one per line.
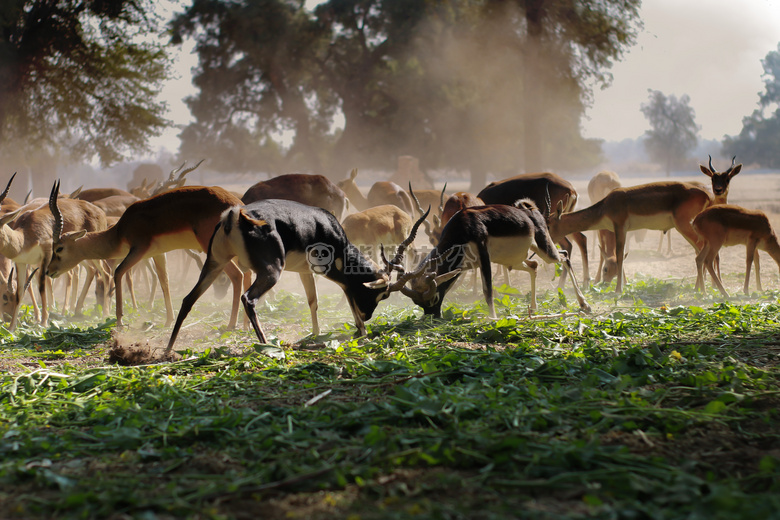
[309, 225]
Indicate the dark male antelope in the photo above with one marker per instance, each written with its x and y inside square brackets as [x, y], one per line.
[546, 190]
[272, 236]
[478, 235]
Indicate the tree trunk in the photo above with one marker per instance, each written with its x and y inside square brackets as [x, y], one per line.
[533, 88]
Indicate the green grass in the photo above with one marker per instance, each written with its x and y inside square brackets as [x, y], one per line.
[658, 406]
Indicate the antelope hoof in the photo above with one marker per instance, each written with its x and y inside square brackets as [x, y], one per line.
[585, 308]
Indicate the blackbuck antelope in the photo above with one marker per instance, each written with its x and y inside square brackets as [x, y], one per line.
[546, 190]
[381, 192]
[386, 225]
[721, 180]
[314, 190]
[272, 236]
[182, 218]
[478, 235]
[598, 188]
[93, 194]
[26, 238]
[657, 205]
[725, 225]
[453, 204]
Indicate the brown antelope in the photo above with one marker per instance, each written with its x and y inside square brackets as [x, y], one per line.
[93, 194]
[115, 205]
[478, 235]
[26, 238]
[314, 190]
[726, 225]
[598, 188]
[546, 190]
[271, 236]
[657, 205]
[381, 225]
[721, 180]
[173, 181]
[182, 218]
[381, 192]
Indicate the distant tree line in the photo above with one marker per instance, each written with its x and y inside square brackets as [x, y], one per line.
[674, 132]
[479, 85]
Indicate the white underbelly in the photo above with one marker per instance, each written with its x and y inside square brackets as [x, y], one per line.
[660, 222]
[508, 251]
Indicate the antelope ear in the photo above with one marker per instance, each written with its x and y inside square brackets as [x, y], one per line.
[446, 276]
[74, 235]
[705, 170]
[559, 209]
[736, 170]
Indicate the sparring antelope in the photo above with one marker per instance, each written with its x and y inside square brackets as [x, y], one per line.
[726, 225]
[478, 235]
[182, 218]
[271, 236]
[657, 205]
[381, 192]
[314, 190]
[546, 190]
[26, 239]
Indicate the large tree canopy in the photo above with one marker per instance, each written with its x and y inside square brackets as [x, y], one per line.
[79, 75]
[759, 140]
[673, 131]
[446, 80]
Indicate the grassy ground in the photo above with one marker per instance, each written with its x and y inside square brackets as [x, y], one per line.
[656, 406]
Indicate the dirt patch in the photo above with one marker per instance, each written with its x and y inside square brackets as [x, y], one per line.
[125, 351]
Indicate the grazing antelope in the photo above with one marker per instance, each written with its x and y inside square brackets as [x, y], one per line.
[726, 225]
[182, 218]
[478, 235]
[381, 192]
[598, 188]
[272, 236]
[657, 205]
[26, 238]
[381, 225]
[546, 190]
[93, 194]
[314, 190]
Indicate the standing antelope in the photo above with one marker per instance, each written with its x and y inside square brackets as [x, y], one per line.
[272, 236]
[476, 236]
[598, 188]
[182, 218]
[546, 190]
[26, 238]
[721, 180]
[725, 225]
[381, 192]
[657, 205]
[314, 190]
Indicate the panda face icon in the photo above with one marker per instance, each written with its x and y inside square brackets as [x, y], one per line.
[320, 257]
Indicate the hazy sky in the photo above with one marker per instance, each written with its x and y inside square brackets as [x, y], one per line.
[710, 50]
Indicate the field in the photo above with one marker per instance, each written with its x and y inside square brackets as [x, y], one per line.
[662, 403]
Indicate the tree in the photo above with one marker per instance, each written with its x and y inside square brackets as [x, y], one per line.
[78, 78]
[759, 140]
[440, 79]
[673, 130]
